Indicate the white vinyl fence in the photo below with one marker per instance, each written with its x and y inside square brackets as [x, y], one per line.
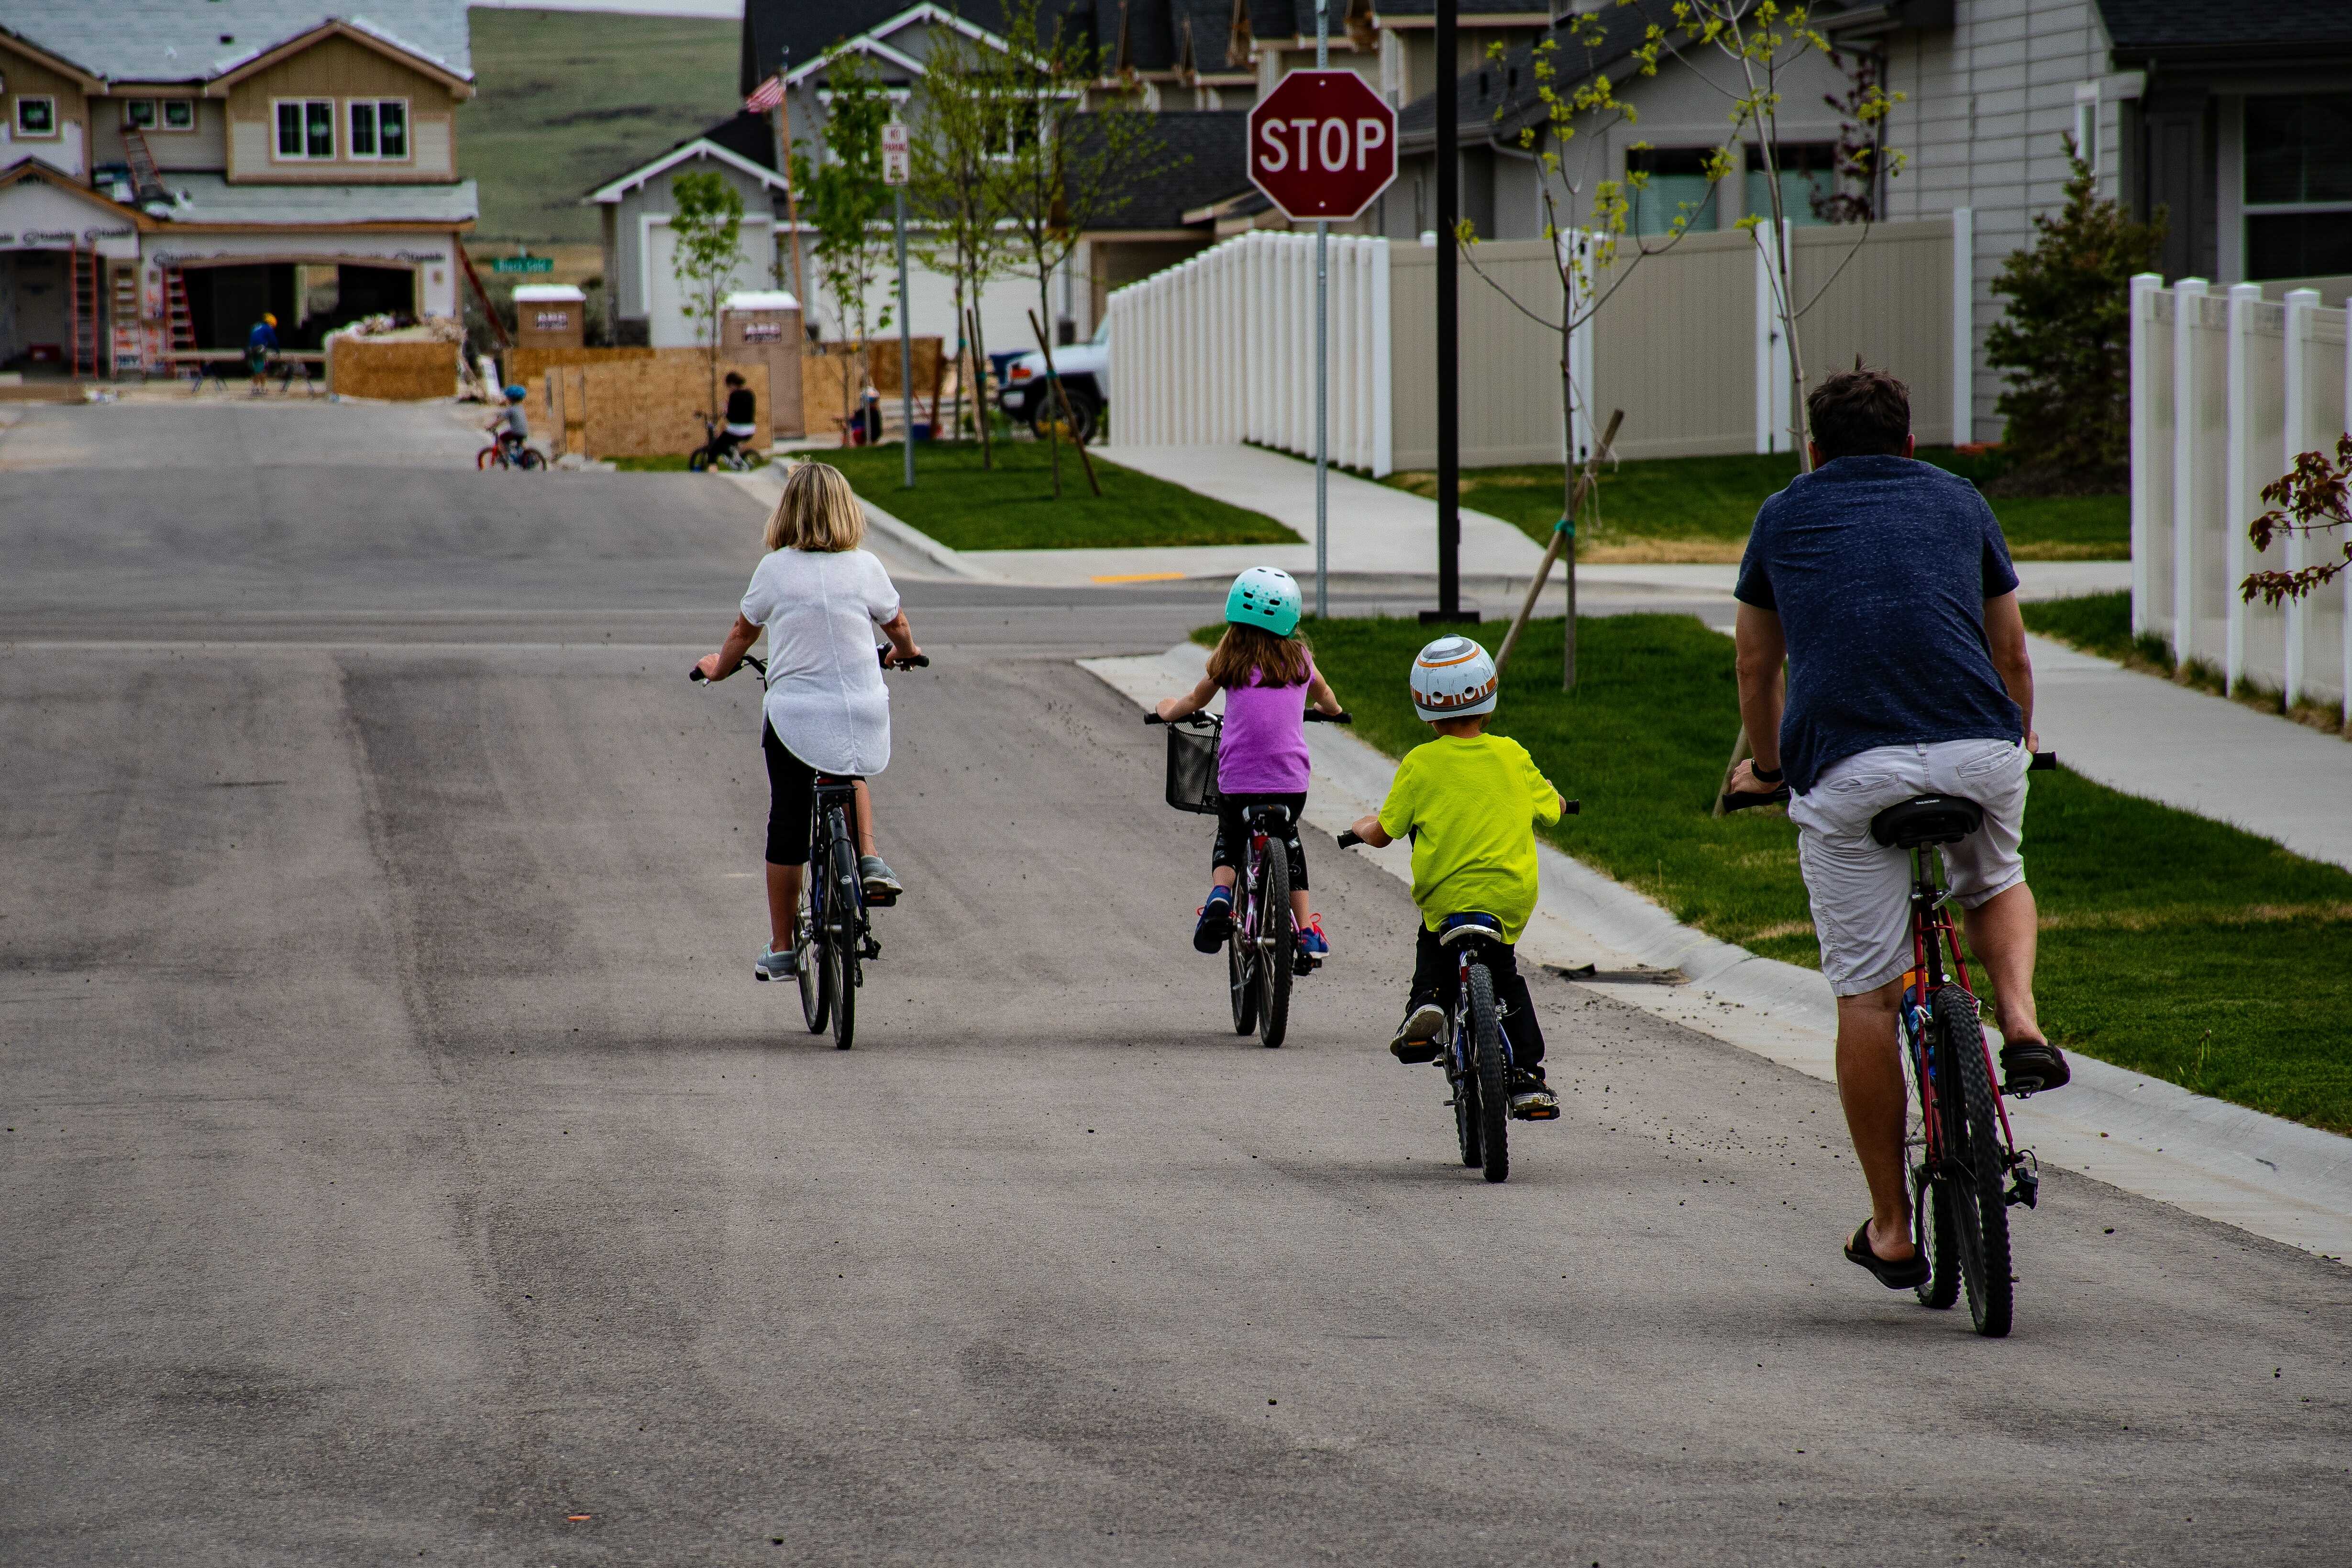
[1222, 348]
[2227, 389]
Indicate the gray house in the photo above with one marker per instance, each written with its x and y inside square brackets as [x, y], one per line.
[643, 297]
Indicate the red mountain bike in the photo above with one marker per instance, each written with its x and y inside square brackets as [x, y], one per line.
[1963, 1162]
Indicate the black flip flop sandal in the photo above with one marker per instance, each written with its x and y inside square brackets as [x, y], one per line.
[1903, 1274]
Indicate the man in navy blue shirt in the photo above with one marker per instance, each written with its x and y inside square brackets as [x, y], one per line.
[1887, 586]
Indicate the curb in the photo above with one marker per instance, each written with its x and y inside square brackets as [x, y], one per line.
[905, 535]
[2258, 1173]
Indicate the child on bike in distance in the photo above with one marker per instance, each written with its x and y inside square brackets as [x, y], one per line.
[511, 423]
[1470, 802]
[1269, 675]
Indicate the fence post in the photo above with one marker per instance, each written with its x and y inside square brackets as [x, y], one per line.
[1384, 395]
[1767, 336]
[2300, 304]
[1580, 359]
[2144, 286]
[1964, 327]
[2244, 297]
[2188, 301]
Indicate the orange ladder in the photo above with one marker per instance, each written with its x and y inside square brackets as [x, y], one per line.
[130, 349]
[84, 307]
[145, 182]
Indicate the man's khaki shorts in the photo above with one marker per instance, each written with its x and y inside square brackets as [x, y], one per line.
[1861, 892]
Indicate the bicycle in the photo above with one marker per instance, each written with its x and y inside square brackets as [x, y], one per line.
[833, 937]
[732, 459]
[499, 454]
[1477, 1057]
[1262, 954]
[1960, 1157]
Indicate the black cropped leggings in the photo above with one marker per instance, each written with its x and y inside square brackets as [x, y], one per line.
[1233, 834]
[791, 790]
[1437, 976]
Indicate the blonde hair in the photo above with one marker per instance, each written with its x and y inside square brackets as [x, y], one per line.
[1252, 656]
[819, 511]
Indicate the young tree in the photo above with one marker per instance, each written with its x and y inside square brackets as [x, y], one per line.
[1066, 170]
[959, 137]
[2065, 340]
[841, 200]
[707, 223]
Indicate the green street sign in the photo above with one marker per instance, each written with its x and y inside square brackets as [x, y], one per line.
[522, 264]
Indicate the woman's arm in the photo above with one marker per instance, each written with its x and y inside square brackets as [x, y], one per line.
[729, 657]
[1193, 701]
[902, 637]
[1319, 693]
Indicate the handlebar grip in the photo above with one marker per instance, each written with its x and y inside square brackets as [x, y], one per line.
[696, 676]
[1573, 808]
[1153, 718]
[882, 655]
[1742, 802]
[1349, 840]
[1317, 716]
[2042, 763]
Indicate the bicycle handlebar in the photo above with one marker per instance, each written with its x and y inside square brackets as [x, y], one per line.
[2042, 763]
[1349, 838]
[919, 662]
[1202, 717]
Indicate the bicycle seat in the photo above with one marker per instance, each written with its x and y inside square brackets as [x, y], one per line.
[1462, 927]
[1927, 819]
[1269, 818]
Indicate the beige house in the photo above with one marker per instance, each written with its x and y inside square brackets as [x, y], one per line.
[171, 172]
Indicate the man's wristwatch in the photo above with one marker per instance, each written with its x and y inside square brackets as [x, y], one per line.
[1767, 775]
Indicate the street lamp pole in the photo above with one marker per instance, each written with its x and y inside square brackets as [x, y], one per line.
[1449, 369]
[1322, 359]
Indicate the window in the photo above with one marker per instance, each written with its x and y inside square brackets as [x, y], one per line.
[1807, 182]
[2298, 185]
[1677, 195]
[139, 113]
[178, 115]
[2086, 124]
[306, 128]
[380, 128]
[36, 117]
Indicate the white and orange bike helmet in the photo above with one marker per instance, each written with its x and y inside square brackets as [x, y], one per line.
[1453, 677]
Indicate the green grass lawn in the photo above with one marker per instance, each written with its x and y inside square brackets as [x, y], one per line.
[666, 463]
[1699, 509]
[2171, 943]
[1012, 507]
[570, 99]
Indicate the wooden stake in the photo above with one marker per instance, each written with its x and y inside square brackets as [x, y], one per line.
[1561, 540]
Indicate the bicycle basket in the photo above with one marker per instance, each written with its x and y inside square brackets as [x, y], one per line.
[1192, 768]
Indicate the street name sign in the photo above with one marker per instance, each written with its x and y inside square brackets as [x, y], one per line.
[522, 264]
[1322, 144]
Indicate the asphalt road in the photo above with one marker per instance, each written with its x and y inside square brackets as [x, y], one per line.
[402, 1166]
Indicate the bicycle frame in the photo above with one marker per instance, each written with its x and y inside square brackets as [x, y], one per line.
[832, 818]
[1933, 937]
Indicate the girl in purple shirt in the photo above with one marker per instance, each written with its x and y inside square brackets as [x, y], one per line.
[1269, 675]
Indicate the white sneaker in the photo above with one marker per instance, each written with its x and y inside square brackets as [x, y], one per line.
[774, 966]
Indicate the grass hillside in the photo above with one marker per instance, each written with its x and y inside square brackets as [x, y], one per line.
[569, 98]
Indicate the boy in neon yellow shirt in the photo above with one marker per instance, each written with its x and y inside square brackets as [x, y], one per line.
[1470, 801]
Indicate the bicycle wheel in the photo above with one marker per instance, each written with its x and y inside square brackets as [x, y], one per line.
[697, 461]
[1276, 945]
[1972, 1162]
[529, 459]
[816, 974]
[1469, 1117]
[485, 460]
[845, 903]
[1493, 1076]
[1240, 977]
[1931, 1206]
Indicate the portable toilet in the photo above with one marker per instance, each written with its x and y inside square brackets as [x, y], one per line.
[762, 326]
[550, 316]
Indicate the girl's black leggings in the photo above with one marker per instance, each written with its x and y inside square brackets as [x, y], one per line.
[1234, 834]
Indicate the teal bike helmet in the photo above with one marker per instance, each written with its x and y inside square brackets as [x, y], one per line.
[1264, 596]
[516, 394]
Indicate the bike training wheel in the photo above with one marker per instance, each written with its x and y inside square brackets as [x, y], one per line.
[1469, 1118]
[846, 902]
[1972, 1161]
[1931, 1206]
[1493, 1076]
[1241, 979]
[816, 978]
[1274, 949]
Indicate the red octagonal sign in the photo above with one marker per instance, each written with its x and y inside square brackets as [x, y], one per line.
[1322, 144]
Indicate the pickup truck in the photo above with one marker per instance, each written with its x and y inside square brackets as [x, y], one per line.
[1085, 369]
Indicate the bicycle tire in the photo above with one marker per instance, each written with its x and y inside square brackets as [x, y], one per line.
[1972, 1162]
[845, 941]
[1276, 947]
[487, 458]
[1241, 980]
[1468, 1119]
[816, 978]
[530, 460]
[1493, 1076]
[1931, 1208]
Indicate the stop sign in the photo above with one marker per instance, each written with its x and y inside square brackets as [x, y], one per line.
[1322, 144]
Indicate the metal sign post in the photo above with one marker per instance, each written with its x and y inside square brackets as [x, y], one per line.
[897, 164]
[1322, 361]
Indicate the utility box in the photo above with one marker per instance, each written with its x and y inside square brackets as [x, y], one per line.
[764, 326]
[550, 316]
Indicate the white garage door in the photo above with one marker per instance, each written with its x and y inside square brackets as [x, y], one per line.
[665, 300]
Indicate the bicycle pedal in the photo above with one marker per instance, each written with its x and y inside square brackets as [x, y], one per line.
[2025, 1188]
[1537, 1113]
[873, 948]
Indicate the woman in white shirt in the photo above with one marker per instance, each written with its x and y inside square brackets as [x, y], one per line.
[819, 599]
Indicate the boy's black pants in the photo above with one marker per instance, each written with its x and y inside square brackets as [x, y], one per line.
[1437, 976]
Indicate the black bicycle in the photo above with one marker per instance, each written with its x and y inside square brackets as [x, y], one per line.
[1960, 1158]
[833, 937]
[1262, 954]
[1477, 1057]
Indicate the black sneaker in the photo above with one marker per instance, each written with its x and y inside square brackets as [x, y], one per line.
[2033, 1067]
[1416, 1038]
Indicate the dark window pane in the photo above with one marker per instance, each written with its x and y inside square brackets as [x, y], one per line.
[289, 131]
[2298, 245]
[178, 115]
[2299, 149]
[391, 121]
[319, 128]
[363, 130]
[2327, 149]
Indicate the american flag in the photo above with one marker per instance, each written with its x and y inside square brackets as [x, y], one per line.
[770, 94]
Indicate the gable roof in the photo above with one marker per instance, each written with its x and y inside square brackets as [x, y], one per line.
[799, 31]
[1203, 157]
[31, 168]
[360, 33]
[747, 142]
[182, 40]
